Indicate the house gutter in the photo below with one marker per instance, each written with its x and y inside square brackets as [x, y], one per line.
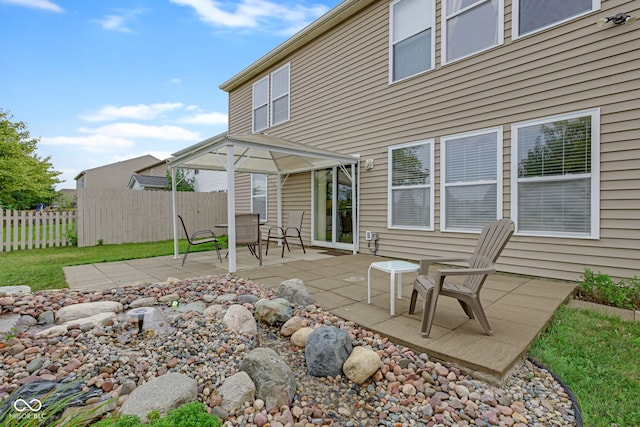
[333, 17]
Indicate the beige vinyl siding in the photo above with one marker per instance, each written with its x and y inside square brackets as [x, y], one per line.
[341, 100]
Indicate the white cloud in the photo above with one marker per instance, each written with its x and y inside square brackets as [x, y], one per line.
[137, 112]
[136, 130]
[206, 119]
[93, 143]
[175, 81]
[118, 22]
[36, 4]
[252, 14]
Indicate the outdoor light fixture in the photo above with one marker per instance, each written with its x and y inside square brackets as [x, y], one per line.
[618, 18]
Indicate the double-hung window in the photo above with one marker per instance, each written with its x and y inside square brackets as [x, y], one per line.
[555, 175]
[261, 104]
[412, 38]
[271, 99]
[280, 95]
[470, 26]
[471, 180]
[411, 195]
[259, 195]
[534, 15]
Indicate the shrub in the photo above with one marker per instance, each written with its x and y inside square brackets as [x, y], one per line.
[602, 289]
[189, 415]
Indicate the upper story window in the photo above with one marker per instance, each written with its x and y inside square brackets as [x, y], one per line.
[259, 195]
[412, 38]
[471, 182]
[261, 104]
[410, 192]
[280, 95]
[534, 15]
[470, 26]
[555, 175]
[270, 102]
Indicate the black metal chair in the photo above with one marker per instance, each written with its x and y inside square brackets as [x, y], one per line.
[198, 238]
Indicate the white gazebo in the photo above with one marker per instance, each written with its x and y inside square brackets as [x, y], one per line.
[256, 153]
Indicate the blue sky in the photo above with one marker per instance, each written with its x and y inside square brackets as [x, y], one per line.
[99, 81]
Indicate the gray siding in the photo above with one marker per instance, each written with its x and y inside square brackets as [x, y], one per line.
[341, 100]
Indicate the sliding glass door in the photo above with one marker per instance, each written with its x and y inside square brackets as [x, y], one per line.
[333, 208]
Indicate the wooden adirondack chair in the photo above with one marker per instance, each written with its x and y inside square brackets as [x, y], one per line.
[492, 241]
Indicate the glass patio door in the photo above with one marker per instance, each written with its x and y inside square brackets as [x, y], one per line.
[333, 208]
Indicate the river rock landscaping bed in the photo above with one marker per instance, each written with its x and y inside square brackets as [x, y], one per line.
[253, 356]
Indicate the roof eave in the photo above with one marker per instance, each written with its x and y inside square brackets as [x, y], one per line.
[318, 27]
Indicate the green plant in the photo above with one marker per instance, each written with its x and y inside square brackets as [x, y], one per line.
[189, 415]
[602, 289]
[72, 236]
[597, 357]
[100, 242]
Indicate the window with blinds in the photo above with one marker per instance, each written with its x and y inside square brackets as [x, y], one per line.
[555, 175]
[534, 15]
[412, 44]
[259, 195]
[260, 104]
[280, 95]
[411, 196]
[471, 170]
[470, 26]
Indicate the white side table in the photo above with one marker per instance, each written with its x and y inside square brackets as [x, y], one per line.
[393, 268]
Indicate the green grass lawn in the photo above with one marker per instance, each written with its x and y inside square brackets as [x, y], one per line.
[42, 268]
[598, 357]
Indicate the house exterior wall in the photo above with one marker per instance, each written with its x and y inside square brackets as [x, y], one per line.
[114, 175]
[207, 181]
[341, 99]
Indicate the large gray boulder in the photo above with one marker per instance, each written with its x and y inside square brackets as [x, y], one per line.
[273, 312]
[240, 319]
[275, 382]
[326, 350]
[86, 309]
[235, 391]
[295, 292]
[161, 393]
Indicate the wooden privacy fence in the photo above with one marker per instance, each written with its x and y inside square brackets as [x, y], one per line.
[21, 230]
[130, 216]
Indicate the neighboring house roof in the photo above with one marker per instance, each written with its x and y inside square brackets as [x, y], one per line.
[138, 161]
[148, 181]
[152, 166]
[318, 27]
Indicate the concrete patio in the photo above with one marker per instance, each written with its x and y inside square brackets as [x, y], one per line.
[518, 308]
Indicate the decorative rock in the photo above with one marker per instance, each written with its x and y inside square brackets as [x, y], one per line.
[34, 365]
[169, 298]
[8, 323]
[127, 387]
[46, 318]
[274, 380]
[300, 337]
[273, 312]
[213, 310]
[91, 322]
[361, 364]
[247, 299]
[295, 292]
[143, 302]
[239, 319]
[16, 290]
[326, 351]
[6, 301]
[87, 309]
[236, 390]
[292, 325]
[161, 393]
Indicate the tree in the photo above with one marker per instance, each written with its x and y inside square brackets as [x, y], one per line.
[183, 183]
[25, 178]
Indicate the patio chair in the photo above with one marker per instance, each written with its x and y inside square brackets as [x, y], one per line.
[492, 241]
[248, 233]
[198, 238]
[292, 230]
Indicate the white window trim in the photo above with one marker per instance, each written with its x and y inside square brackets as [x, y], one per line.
[254, 106]
[498, 181]
[443, 42]
[431, 185]
[515, 22]
[272, 98]
[595, 174]
[266, 196]
[433, 44]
